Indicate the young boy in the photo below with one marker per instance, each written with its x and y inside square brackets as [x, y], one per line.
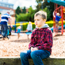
[29, 27]
[41, 41]
[57, 19]
[18, 31]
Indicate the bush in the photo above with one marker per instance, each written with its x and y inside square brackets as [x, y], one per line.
[25, 26]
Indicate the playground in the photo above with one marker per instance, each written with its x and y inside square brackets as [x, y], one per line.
[13, 47]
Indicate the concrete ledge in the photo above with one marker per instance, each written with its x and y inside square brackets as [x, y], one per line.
[17, 61]
[51, 61]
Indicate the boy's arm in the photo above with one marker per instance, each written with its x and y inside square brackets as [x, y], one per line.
[10, 21]
[32, 40]
[48, 43]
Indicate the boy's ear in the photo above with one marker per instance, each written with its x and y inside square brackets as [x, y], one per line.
[44, 20]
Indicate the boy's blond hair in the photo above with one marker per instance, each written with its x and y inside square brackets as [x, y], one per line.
[42, 13]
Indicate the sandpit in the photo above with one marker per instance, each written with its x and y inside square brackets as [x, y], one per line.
[13, 46]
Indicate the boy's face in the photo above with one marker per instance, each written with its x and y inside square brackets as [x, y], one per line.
[39, 21]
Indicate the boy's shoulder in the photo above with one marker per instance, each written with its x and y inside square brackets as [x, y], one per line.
[34, 30]
[48, 30]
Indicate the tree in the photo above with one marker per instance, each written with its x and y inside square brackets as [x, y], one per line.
[39, 1]
[49, 5]
[26, 16]
[24, 10]
[18, 10]
[31, 13]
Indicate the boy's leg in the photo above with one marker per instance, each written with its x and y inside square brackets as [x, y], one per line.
[24, 56]
[5, 30]
[18, 35]
[38, 55]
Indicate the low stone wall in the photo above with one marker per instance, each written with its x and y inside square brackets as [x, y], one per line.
[10, 61]
[17, 61]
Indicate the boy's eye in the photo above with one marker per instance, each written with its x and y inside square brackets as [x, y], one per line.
[36, 20]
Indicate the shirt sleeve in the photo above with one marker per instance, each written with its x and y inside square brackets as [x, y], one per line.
[49, 41]
[32, 40]
[59, 16]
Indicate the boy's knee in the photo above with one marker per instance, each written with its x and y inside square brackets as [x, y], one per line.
[33, 54]
[22, 54]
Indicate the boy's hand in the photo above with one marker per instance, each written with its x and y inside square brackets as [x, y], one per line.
[33, 49]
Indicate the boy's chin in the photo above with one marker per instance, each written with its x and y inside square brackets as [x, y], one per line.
[37, 26]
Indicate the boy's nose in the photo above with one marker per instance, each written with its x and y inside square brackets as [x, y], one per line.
[35, 23]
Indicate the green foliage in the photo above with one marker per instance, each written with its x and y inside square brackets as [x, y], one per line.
[26, 16]
[31, 13]
[48, 13]
[25, 26]
[18, 10]
[39, 1]
[22, 17]
[38, 7]
[50, 6]
[50, 25]
[24, 10]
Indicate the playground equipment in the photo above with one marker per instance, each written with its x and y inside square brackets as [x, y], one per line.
[59, 2]
[60, 9]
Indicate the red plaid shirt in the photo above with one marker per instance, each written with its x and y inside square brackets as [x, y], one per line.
[41, 38]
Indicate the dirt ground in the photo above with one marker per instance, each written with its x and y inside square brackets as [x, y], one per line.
[13, 46]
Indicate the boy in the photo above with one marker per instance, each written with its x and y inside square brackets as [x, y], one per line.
[18, 31]
[29, 27]
[41, 41]
[58, 17]
[5, 18]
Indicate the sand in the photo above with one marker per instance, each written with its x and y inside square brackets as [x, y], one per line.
[14, 46]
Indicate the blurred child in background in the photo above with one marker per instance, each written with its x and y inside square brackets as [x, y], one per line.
[18, 31]
[29, 27]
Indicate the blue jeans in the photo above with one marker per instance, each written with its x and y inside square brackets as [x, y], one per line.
[37, 56]
[4, 30]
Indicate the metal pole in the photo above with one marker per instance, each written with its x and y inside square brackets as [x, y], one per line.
[62, 19]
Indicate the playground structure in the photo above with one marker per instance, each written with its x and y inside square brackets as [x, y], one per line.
[61, 10]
